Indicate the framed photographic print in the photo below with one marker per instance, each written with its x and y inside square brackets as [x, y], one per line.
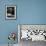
[11, 12]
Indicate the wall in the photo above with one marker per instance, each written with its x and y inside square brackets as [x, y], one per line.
[33, 12]
[28, 12]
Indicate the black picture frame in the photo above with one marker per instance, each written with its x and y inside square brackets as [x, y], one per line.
[10, 12]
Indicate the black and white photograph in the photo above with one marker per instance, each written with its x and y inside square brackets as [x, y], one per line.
[10, 12]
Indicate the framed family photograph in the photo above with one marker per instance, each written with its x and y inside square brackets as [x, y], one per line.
[11, 12]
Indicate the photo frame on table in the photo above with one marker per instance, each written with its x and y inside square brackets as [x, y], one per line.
[10, 12]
